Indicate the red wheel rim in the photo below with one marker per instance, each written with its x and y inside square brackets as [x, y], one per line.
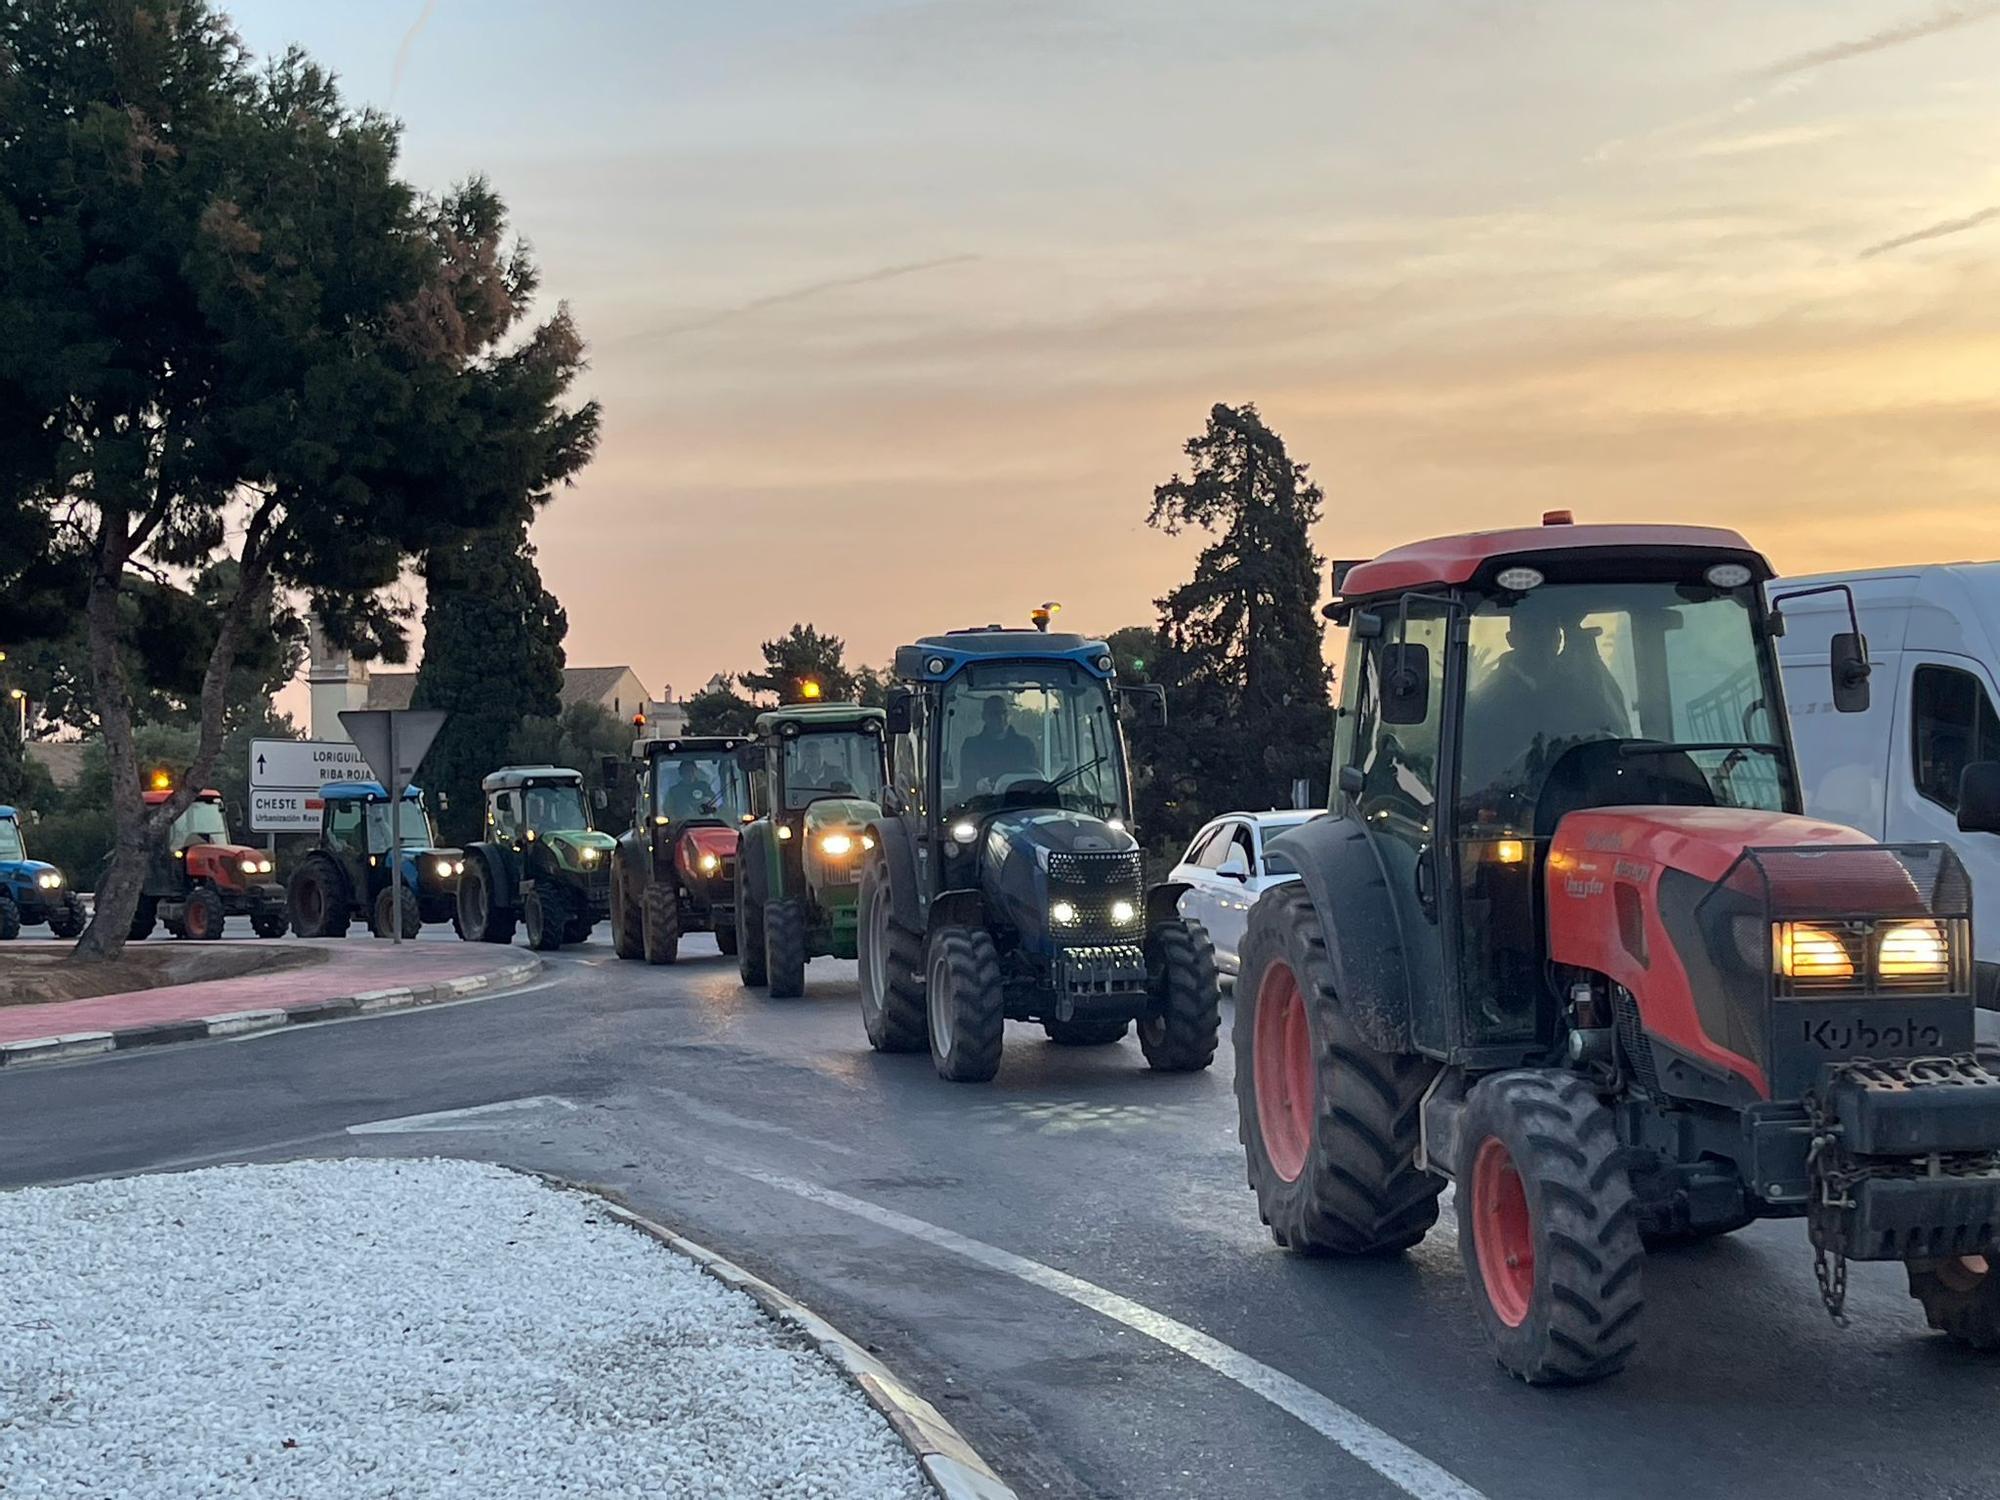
[1283, 1061]
[197, 920]
[1502, 1233]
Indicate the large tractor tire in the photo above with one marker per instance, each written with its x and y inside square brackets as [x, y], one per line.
[481, 916]
[581, 926]
[317, 898]
[660, 923]
[727, 939]
[70, 918]
[271, 926]
[750, 964]
[383, 922]
[627, 920]
[146, 914]
[1960, 1298]
[1086, 1033]
[785, 949]
[1180, 1035]
[10, 920]
[1548, 1228]
[1329, 1125]
[546, 916]
[203, 917]
[967, 1004]
[891, 959]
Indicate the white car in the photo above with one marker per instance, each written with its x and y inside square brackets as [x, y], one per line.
[1226, 871]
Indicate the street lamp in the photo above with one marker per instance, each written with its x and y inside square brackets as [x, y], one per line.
[21, 698]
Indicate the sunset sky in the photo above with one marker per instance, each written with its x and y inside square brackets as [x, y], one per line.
[898, 311]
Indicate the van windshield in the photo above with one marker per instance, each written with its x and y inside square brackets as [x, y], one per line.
[1642, 693]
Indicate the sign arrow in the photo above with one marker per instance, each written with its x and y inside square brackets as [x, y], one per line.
[260, 765]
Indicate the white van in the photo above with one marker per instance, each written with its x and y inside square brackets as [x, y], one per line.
[1893, 772]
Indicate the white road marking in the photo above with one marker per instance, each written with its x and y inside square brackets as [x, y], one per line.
[1396, 1462]
[715, 1114]
[495, 1116]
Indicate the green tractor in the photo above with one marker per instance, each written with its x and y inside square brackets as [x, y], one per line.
[541, 863]
[816, 775]
[674, 870]
[347, 873]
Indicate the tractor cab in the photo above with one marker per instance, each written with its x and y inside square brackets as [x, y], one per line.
[674, 869]
[816, 772]
[33, 891]
[1005, 882]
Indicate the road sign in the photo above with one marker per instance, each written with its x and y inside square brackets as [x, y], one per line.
[408, 731]
[306, 764]
[283, 810]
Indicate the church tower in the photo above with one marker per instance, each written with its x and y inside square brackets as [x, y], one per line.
[337, 681]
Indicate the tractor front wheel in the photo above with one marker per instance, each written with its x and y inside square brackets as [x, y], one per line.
[660, 923]
[1548, 1228]
[1329, 1124]
[384, 924]
[1181, 1033]
[318, 900]
[268, 926]
[1086, 1033]
[481, 917]
[891, 964]
[146, 913]
[627, 920]
[968, 1006]
[70, 918]
[203, 918]
[546, 917]
[10, 920]
[785, 948]
[1960, 1297]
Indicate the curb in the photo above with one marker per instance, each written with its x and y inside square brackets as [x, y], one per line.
[244, 1022]
[949, 1462]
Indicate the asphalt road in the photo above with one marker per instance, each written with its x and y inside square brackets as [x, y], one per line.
[1067, 1260]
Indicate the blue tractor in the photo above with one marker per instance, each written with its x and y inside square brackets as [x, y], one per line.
[33, 891]
[1002, 881]
[347, 873]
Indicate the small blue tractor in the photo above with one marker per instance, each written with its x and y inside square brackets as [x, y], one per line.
[347, 873]
[32, 891]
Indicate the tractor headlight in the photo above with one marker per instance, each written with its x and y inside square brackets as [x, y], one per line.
[587, 855]
[784, 830]
[1115, 823]
[49, 880]
[442, 869]
[709, 864]
[1808, 953]
[965, 830]
[1063, 914]
[457, 867]
[1123, 913]
[836, 844]
[1913, 950]
[868, 841]
[248, 866]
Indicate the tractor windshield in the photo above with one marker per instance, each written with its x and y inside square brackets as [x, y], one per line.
[10, 840]
[832, 763]
[705, 785]
[1029, 734]
[202, 823]
[554, 808]
[1592, 694]
[415, 826]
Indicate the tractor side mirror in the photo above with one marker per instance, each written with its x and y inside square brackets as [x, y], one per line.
[1849, 661]
[598, 800]
[1406, 683]
[896, 710]
[892, 801]
[1979, 797]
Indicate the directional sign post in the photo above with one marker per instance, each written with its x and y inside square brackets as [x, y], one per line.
[286, 777]
[394, 741]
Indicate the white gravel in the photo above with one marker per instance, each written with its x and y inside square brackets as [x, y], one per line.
[411, 1329]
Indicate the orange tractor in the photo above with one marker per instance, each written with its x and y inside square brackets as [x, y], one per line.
[1566, 942]
[200, 878]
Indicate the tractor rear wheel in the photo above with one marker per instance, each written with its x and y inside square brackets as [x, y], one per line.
[546, 916]
[660, 923]
[1960, 1297]
[1329, 1124]
[1086, 1033]
[69, 918]
[727, 939]
[481, 917]
[968, 1006]
[891, 960]
[384, 923]
[1548, 1228]
[1180, 1035]
[272, 926]
[202, 917]
[318, 900]
[10, 920]
[627, 920]
[785, 948]
[145, 914]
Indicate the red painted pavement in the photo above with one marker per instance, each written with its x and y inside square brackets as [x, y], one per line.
[356, 966]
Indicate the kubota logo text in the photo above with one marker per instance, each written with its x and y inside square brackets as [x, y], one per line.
[1865, 1037]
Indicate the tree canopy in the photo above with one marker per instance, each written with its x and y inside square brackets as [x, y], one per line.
[799, 657]
[230, 332]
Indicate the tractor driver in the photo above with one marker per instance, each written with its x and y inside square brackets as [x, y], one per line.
[1550, 687]
[690, 794]
[996, 749]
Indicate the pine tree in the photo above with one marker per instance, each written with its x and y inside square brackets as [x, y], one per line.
[801, 656]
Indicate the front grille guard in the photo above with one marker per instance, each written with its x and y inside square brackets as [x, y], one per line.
[1093, 882]
[1849, 896]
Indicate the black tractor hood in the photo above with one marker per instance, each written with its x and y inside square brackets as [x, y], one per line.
[1059, 831]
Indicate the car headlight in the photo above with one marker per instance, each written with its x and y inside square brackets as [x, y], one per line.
[709, 864]
[1123, 912]
[1913, 950]
[965, 831]
[836, 844]
[1062, 913]
[441, 868]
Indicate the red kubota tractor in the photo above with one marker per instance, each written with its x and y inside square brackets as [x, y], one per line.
[1566, 942]
[200, 877]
